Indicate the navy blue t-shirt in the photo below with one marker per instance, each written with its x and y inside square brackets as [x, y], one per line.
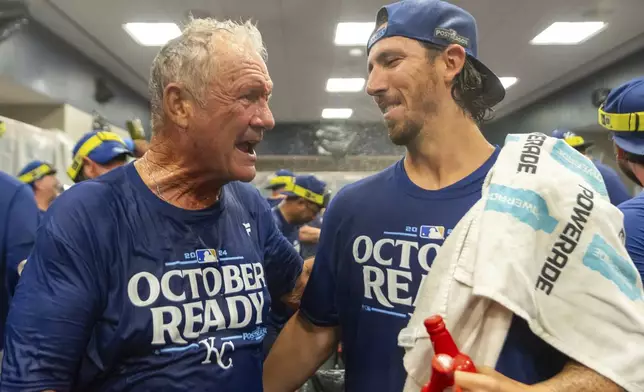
[617, 192]
[633, 211]
[379, 238]
[291, 232]
[280, 313]
[124, 291]
[19, 218]
[308, 249]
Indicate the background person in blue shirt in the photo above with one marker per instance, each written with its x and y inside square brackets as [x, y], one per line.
[41, 176]
[155, 276]
[19, 218]
[617, 191]
[381, 234]
[623, 114]
[304, 199]
[277, 184]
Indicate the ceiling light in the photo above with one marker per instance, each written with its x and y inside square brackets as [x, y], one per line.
[355, 52]
[508, 81]
[568, 33]
[344, 85]
[337, 113]
[152, 34]
[356, 34]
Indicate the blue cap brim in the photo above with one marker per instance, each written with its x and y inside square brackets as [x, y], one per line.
[631, 144]
[108, 151]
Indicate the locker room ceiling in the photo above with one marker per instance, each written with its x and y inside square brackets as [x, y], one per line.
[301, 54]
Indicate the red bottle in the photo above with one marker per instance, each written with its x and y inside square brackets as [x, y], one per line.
[442, 374]
[447, 357]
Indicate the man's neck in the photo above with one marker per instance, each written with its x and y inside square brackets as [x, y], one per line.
[176, 179]
[42, 202]
[445, 153]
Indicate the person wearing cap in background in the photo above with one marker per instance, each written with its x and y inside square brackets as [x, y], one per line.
[623, 114]
[380, 235]
[41, 176]
[310, 233]
[96, 153]
[276, 184]
[616, 189]
[304, 198]
[20, 218]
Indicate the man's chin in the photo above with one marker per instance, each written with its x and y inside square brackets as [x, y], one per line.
[244, 173]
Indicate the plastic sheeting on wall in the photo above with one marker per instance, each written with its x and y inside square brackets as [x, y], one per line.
[23, 143]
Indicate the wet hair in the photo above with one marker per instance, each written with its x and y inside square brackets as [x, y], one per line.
[468, 88]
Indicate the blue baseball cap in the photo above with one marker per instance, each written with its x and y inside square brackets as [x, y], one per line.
[35, 170]
[439, 23]
[308, 187]
[623, 114]
[129, 143]
[572, 139]
[282, 178]
[101, 147]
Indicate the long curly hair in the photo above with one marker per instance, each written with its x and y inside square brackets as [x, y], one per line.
[468, 88]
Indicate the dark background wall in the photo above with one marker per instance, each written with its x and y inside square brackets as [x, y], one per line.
[301, 138]
[36, 58]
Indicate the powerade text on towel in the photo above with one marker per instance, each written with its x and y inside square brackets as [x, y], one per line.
[126, 292]
[379, 238]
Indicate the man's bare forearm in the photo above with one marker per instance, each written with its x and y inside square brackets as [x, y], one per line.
[309, 235]
[300, 349]
[293, 299]
[575, 377]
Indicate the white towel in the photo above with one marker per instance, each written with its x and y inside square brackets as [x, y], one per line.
[543, 243]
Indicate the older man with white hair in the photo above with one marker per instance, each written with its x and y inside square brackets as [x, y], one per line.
[155, 276]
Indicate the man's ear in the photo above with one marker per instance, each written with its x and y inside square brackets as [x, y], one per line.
[89, 168]
[36, 184]
[454, 57]
[177, 106]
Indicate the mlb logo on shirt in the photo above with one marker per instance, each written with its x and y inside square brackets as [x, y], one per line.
[432, 232]
[206, 255]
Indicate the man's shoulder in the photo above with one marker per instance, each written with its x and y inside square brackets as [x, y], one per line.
[245, 196]
[361, 189]
[605, 170]
[90, 198]
[7, 180]
[634, 206]
[11, 186]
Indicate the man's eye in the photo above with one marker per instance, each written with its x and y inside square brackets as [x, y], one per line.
[393, 62]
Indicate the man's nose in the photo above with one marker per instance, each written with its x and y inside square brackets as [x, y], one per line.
[376, 83]
[263, 118]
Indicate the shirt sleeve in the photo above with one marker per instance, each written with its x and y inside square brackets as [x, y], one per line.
[319, 299]
[23, 218]
[616, 189]
[282, 263]
[53, 311]
[634, 236]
